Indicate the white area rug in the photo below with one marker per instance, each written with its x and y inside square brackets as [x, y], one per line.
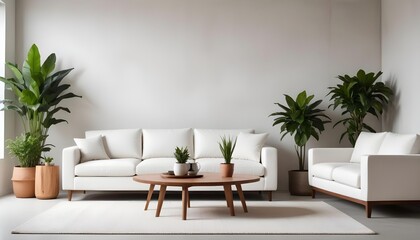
[203, 218]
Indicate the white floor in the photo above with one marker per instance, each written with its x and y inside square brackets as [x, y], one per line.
[390, 222]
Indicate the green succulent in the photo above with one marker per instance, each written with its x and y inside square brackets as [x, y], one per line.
[181, 154]
[227, 146]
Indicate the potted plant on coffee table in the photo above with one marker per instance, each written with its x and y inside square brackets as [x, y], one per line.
[227, 146]
[181, 167]
[301, 119]
[359, 96]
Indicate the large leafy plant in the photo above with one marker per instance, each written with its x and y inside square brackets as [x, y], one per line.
[38, 94]
[301, 119]
[359, 96]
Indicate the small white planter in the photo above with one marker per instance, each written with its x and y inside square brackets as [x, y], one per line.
[181, 169]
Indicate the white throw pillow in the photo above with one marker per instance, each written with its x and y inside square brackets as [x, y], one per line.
[91, 148]
[367, 144]
[161, 143]
[398, 144]
[248, 146]
[206, 141]
[120, 143]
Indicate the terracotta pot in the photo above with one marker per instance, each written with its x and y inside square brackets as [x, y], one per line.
[46, 182]
[24, 182]
[299, 183]
[226, 169]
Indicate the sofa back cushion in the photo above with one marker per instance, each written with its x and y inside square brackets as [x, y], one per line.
[399, 144]
[248, 146]
[161, 143]
[120, 143]
[206, 141]
[367, 144]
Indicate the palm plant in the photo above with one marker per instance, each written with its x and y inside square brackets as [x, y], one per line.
[38, 93]
[181, 154]
[359, 96]
[227, 146]
[302, 119]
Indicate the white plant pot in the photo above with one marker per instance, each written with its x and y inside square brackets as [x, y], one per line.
[181, 169]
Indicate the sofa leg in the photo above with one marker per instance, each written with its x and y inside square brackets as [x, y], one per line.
[270, 196]
[69, 194]
[313, 193]
[368, 208]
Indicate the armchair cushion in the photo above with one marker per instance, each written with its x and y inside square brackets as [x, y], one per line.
[367, 144]
[395, 144]
[325, 170]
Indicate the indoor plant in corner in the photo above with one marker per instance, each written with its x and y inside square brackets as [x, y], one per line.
[359, 96]
[303, 120]
[181, 166]
[38, 92]
[227, 146]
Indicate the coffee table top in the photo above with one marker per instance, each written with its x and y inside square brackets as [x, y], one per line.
[208, 179]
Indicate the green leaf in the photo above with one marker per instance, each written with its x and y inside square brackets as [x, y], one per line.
[16, 72]
[301, 99]
[28, 98]
[48, 66]
[34, 62]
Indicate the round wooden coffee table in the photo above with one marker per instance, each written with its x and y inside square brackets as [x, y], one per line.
[208, 179]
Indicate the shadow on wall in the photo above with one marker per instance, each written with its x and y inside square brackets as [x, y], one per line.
[392, 109]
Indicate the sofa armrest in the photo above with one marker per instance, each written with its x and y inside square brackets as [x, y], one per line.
[269, 161]
[390, 177]
[70, 158]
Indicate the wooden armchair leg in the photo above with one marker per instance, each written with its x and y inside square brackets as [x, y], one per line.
[368, 208]
[69, 195]
[270, 196]
[313, 193]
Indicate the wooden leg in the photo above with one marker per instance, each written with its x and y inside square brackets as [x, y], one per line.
[84, 192]
[162, 192]
[368, 208]
[69, 195]
[149, 196]
[270, 196]
[184, 202]
[313, 193]
[188, 199]
[241, 196]
[229, 198]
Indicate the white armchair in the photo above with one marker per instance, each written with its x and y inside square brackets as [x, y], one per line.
[383, 168]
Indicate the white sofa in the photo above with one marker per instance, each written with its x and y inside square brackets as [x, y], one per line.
[134, 151]
[382, 168]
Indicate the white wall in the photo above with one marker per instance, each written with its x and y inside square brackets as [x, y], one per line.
[401, 62]
[198, 63]
[6, 164]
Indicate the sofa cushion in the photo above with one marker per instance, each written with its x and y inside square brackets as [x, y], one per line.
[367, 144]
[394, 143]
[161, 143]
[248, 146]
[124, 167]
[241, 166]
[155, 165]
[91, 148]
[348, 174]
[325, 170]
[121, 143]
[206, 141]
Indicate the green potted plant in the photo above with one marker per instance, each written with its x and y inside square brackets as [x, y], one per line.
[181, 166]
[227, 146]
[301, 119]
[38, 94]
[359, 96]
[26, 148]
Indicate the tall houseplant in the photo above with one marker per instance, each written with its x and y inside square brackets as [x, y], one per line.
[359, 96]
[38, 94]
[301, 119]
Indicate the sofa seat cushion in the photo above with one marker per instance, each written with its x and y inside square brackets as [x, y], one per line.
[325, 170]
[241, 166]
[348, 175]
[155, 165]
[123, 167]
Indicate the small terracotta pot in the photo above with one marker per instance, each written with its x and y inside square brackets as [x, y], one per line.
[226, 169]
[24, 182]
